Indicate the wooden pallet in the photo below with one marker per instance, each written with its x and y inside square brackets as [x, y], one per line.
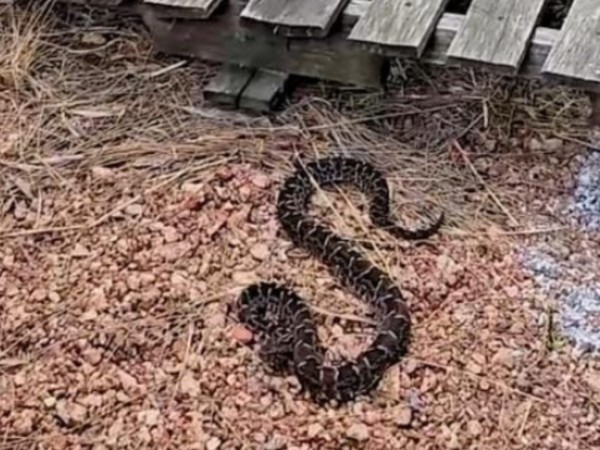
[351, 41]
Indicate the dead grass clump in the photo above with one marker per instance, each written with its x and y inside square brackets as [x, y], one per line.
[21, 45]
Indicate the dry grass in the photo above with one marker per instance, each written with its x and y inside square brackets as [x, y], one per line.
[131, 213]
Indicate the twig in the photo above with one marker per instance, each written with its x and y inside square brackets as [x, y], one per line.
[525, 417]
[497, 383]
[22, 233]
[167, 69]
[587, 145]
[483, 183]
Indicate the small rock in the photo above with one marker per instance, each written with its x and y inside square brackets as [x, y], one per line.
[8, 261]
[479, 358]
[593, 380]
[313, 430]
[170, 234]
[213, 443]
[70, 413]
[260, 252]
[474, 428]
[93, 38]
[80, 251]
[535, 145]
[149, 416]
[189, 385]
[24, 424]
[93, 400]
[473, 367]
[504, 356]
[553, 144]
[39, 294]
[453, 443]
[215, 321]
[490, 144]
[242, 334]
[134, 209]
[144, 434]
[133, 282]
[277, 442]
[403, 416]
[179, 280]
[371, 418]
[261, 181]
[411, 366]
[92, 355]
[145, 278]
[90, 314]
[448, 267]
[127, 381]
[192, 188]
[49, 402]
[102, 173]
[358, 432]
[244, 278]
[53, 297]
[20, 212]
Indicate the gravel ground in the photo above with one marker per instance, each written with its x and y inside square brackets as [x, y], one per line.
[126, 236]
[119, 336]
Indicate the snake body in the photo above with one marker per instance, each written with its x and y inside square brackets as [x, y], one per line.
[282, 321]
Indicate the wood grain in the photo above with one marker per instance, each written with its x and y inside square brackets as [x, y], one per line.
[403, 26]
[575, 57]
[265, 91]
[310, 18]
[496, 33]
[228, 84]
[192, 9]
[224, 39]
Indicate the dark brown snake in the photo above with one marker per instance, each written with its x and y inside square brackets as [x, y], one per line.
[282, 321]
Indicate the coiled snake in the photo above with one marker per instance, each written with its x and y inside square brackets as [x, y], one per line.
[282, 321]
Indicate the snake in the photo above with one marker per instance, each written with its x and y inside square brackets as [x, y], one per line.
[282, 321]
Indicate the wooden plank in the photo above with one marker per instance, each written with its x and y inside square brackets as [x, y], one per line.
[95, 2]
[227, 86]
[334, 58]
[496, 33]
[265, 91]
[575, 57]
[402, 26]
[186, 9]
[595, 104]
[224, 39]
[295, 18]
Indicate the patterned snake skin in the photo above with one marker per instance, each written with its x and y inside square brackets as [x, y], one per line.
[282, 321]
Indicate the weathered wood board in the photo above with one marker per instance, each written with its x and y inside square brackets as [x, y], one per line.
[226, 87]
[96, 2]
[575, 57]
[223, 39]
[334, 58]
[595, 104]
[310, 18]
[402, 26]
[186, 9]
[243, 87]
[265, 91]
[496, 33]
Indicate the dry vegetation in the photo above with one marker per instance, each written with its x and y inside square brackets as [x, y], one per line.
[131, 214]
